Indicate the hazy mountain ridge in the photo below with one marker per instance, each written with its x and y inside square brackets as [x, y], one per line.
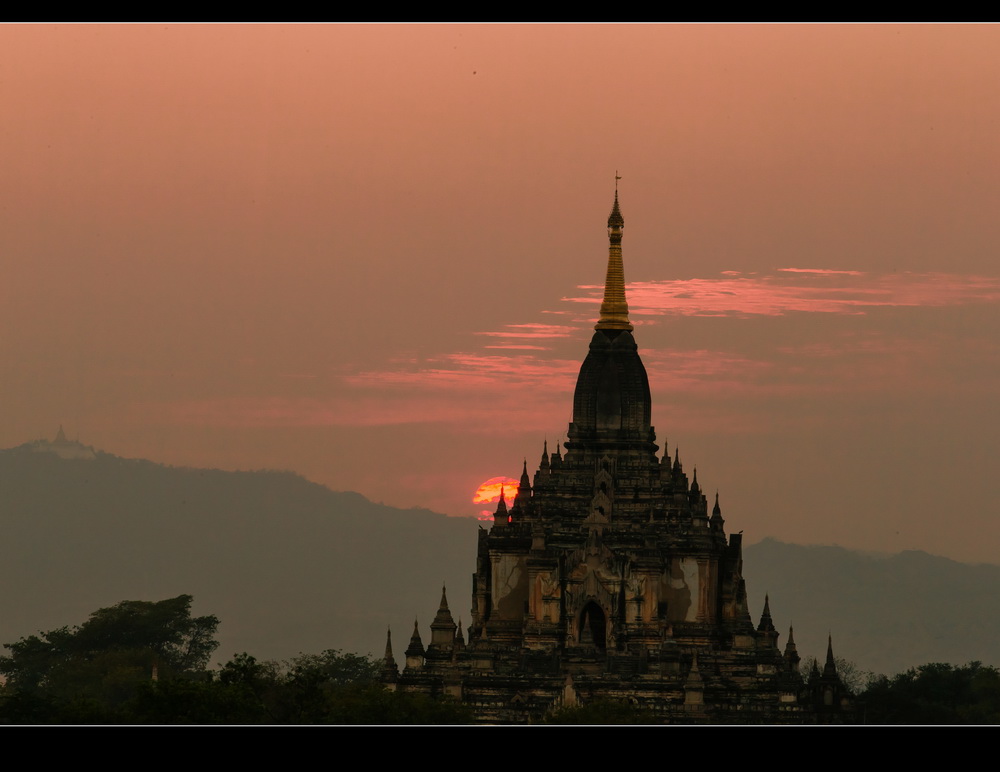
[885, 613]
[289, 565]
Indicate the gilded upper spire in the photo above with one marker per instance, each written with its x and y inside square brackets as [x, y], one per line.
[614, 309]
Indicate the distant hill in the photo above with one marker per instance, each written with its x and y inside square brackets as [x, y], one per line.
[886, 613]
[286, 564]
[290, 566]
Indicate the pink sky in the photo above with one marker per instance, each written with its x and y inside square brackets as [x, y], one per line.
[372, 254]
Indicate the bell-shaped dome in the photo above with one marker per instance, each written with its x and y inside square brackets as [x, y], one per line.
[611, 400]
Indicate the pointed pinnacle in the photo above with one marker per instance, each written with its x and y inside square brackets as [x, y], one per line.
[416, 646]
[501, 505]
[830, 669]
[443, 616]
[766, 625]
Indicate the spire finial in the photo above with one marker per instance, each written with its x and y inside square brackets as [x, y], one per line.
[614, 309]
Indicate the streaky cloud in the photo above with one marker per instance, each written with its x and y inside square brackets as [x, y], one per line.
[804, 290]
[532, 330]
[821, 271]
[519, 347]
[471, 387]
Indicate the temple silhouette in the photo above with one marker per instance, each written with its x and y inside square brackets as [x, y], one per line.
[608, 578]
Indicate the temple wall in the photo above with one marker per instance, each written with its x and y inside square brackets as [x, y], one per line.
[510, 585]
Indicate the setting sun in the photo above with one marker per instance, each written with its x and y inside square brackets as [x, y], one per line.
[489, 493]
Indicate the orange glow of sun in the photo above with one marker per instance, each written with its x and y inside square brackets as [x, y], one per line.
[489, 493]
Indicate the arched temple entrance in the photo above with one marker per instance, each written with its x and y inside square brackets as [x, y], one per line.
[593, 627]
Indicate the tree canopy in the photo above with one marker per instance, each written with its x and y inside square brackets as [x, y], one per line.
[935, 693]
[146, 662]
[93, 668]
[161, 634]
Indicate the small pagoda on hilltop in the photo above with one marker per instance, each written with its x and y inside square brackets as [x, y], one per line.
[64, 448]
[609, 578]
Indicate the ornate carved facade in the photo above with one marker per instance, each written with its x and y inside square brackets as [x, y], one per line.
[609, 578]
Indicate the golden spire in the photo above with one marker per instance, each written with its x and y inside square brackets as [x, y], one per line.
[614, 309]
